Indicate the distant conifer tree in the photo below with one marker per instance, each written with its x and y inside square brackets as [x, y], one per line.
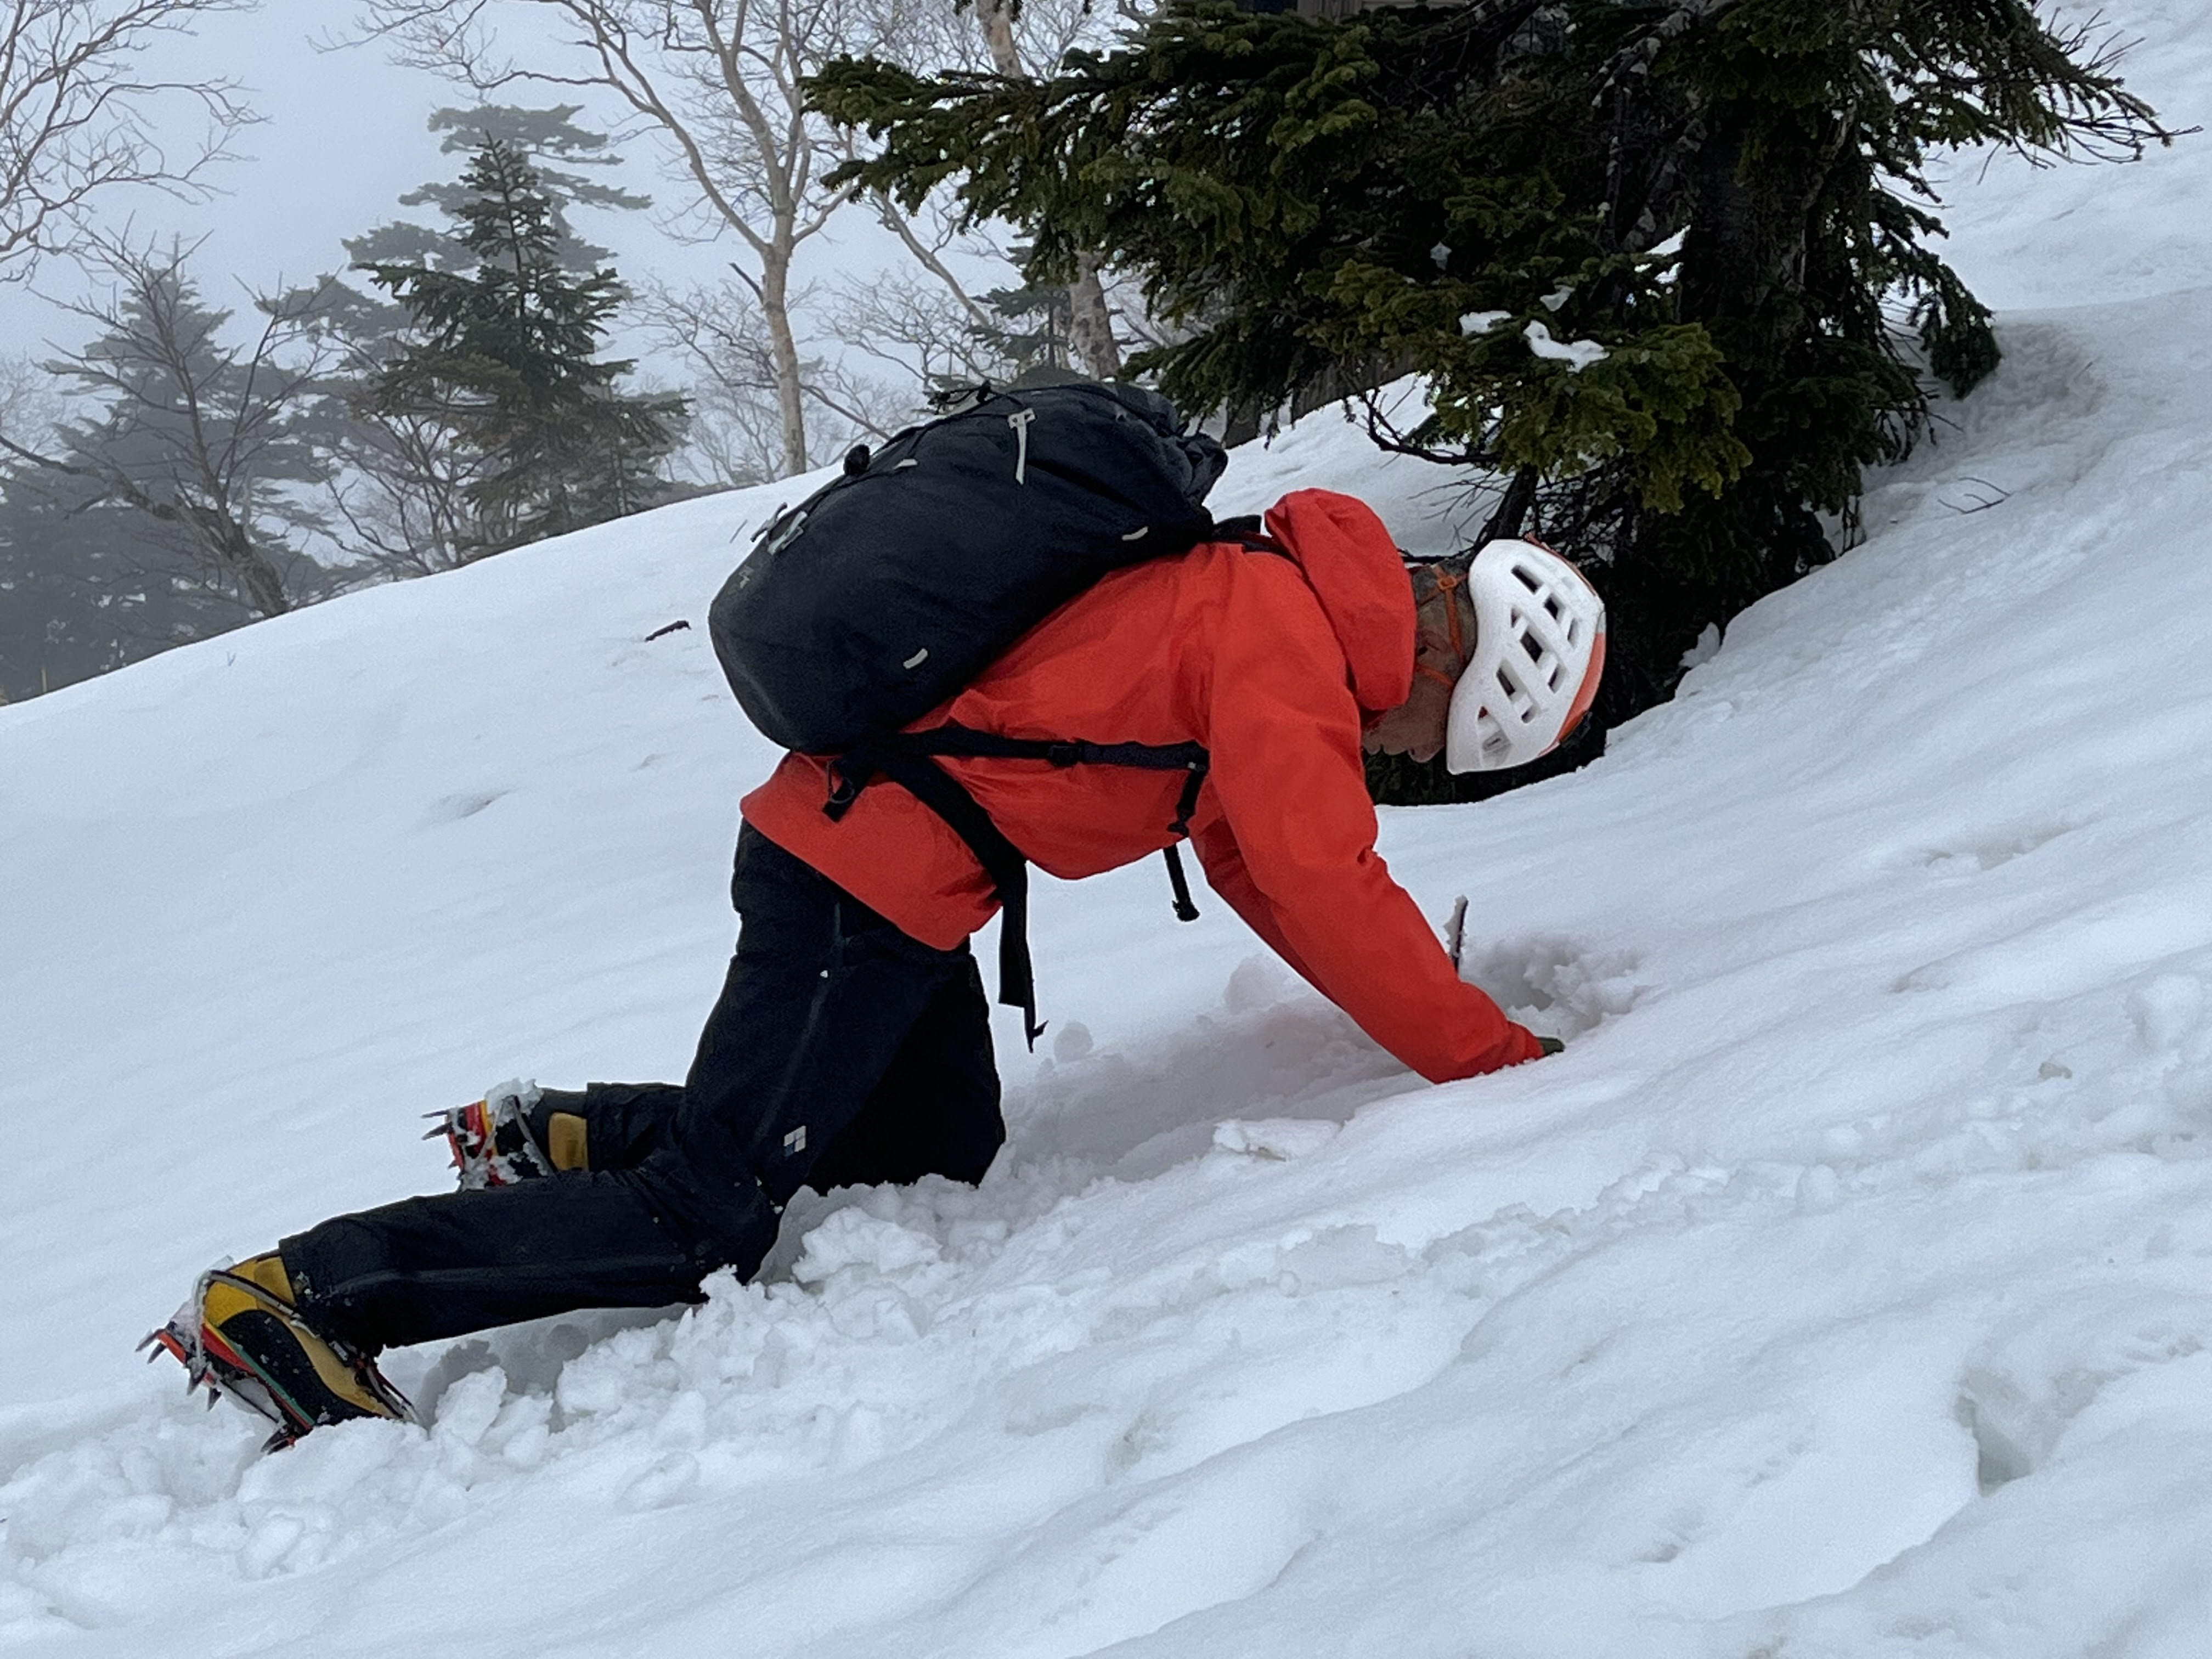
[506, 355]
[82, 589]
[556, 147]
[170, 497]
[1662, 262]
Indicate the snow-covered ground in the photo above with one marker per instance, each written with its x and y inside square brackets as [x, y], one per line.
[1846, 1289]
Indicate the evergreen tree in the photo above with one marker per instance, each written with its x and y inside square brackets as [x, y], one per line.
[401, 499]
[83, 593]
[1032, 329]
[1646, 253]
[175, 504]
[556, 147]
[504, 355]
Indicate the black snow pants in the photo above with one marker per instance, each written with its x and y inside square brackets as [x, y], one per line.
[843, 1052]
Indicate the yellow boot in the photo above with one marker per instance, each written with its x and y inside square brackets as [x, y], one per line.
[240, 1333]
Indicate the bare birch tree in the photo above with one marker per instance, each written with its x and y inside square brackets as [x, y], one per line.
[931, 335]
[714, 330]
[85, 110]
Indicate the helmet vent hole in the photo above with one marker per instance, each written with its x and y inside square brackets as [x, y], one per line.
[1517, 698]
[1537, 653]
[1528, 579]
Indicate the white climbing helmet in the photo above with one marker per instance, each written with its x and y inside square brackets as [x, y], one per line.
[1539, 652]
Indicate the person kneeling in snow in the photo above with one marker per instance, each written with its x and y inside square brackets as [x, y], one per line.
[851, 1043]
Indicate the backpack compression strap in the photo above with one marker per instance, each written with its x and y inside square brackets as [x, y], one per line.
[906, 759]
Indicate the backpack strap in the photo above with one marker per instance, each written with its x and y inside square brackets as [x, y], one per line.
[1249, 533]
[1189, 758]
[909, 759]
[1186, 804]
[938, 790]
[965, 743]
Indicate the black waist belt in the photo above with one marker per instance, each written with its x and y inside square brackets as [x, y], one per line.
[910, 760]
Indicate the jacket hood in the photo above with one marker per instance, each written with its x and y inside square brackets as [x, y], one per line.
[1352, 565]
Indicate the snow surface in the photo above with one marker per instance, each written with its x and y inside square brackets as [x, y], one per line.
[1844, 1290]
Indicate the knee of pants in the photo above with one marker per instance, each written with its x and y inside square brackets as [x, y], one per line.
[720, 1220]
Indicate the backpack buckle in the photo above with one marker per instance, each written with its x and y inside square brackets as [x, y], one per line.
[844, 790]
[1064, 754]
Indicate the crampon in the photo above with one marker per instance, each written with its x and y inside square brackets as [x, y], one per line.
[491, 1139]
[237, 1338]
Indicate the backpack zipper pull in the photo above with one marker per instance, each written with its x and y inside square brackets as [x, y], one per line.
[1019, 420]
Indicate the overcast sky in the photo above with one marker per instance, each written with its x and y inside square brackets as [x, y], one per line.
[343, 134]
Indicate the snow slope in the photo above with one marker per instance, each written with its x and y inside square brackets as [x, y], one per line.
[1844, 1290]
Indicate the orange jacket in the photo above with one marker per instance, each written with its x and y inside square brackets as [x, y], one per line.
[1266, 661]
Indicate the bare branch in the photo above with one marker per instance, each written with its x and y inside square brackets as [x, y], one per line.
[79, 118]
[929, 258]
[203, 440]
[716, 331]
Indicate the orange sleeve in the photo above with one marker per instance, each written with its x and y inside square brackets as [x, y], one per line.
[1286, 834]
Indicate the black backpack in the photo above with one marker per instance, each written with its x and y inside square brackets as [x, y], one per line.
[891, 587]
[887, 590]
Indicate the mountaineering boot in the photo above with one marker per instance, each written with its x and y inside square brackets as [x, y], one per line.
[240, 1333]
[504, 1138]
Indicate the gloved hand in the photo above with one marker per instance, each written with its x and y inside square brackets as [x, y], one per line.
[1552, 1045]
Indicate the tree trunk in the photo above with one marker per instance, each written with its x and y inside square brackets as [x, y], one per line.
[267, 588]
[233, 546]
[214, 538]
[996, 18]
[1513, 507]
[1753, 187]
[783, 352]
[1091, 321]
